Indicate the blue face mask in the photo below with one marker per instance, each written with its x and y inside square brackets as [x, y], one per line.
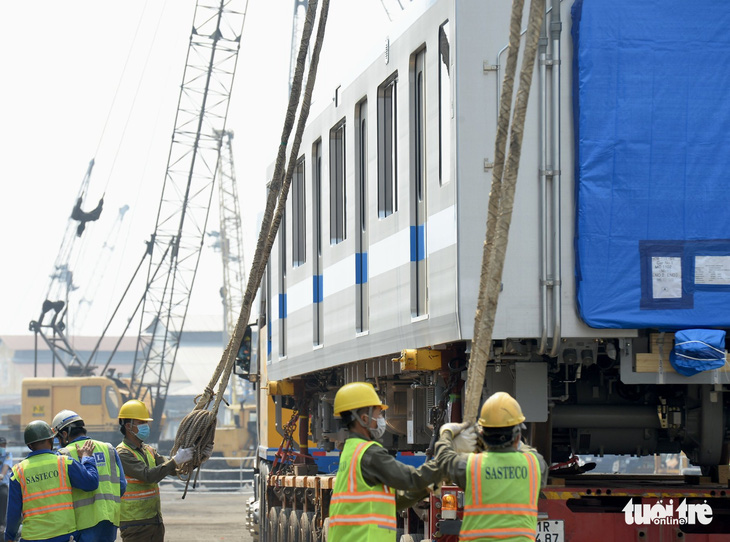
[2, 451]
[143, 431]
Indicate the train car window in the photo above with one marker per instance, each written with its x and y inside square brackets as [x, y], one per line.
[39, 392]
[387, 147]
[299, 214]
[112, 402]
[282, 286]
[90, 395]
[361, 212]
[445, 105]
[338, 197]
[418, 209]
[269, 312]
[317, 277]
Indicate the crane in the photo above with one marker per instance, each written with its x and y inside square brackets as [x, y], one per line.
[186, 195]
[235, 434]
[231, 235]
[61, 284]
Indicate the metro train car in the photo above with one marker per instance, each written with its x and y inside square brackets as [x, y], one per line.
[618, 239]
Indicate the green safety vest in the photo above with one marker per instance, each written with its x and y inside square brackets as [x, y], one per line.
[359, 511]
[141, 500]
[47, 502]
[93, 507]
[500, 501]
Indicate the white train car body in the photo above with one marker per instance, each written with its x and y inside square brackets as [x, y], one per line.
[381, 248]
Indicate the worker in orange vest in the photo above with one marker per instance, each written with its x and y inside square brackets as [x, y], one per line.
[501, 483]
[141, 517]
[40, 488]
[364, 498]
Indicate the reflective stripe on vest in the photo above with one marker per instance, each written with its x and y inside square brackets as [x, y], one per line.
[47, 502]
[93, 507]
[500, 501]
[359, 511]
[141, 500]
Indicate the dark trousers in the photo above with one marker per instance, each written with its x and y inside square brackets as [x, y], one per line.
[144, 533]
[3, 505]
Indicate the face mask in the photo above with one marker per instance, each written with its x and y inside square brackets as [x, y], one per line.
[2, 451]
[143, 431]
[379, 431]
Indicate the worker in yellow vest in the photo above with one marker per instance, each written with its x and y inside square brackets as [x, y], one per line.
[501, 483]
[97, 512]
[41, 485]
[364, 498]
[141, 517]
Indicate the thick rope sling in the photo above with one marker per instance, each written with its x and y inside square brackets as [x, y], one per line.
[501, 196]
[197, 429]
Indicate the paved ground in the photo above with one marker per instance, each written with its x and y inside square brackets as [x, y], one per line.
[205, 516]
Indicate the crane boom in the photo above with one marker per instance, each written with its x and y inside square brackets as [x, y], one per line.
[186, 194]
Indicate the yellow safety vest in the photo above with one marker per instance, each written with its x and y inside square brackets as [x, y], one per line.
[500, 501]
[141, 500]
[93, 507]
[359, 511]
[47, 502]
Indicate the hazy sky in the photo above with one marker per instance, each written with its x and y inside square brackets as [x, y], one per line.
[62, 64]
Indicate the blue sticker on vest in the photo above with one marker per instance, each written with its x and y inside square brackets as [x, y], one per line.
[100, 460]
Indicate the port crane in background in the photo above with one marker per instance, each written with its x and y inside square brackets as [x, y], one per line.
[236, 435]
[174, 248]
[186, 195]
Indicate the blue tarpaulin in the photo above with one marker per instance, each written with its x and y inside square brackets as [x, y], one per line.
[651, 91]
[697, 350]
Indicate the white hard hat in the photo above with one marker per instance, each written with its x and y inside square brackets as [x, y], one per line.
[64, 419]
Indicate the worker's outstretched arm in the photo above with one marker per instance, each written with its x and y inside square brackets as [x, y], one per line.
[378, 466]
[139, 470]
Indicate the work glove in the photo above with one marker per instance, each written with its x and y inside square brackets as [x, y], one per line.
[183, 455]
[466, 441]
[207, 452]
[451, 427]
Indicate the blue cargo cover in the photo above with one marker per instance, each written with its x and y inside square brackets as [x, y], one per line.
[651, 92]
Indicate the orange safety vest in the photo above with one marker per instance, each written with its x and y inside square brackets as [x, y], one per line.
[359, 511]
[141, 500]
[47, 503]
[500, 501]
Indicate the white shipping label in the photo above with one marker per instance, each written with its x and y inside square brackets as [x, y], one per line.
[712, 270]
[666, 277]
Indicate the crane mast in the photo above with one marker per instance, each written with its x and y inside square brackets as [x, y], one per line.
[231, 236]
[186, 195]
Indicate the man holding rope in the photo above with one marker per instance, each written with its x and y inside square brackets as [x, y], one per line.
[141, 518]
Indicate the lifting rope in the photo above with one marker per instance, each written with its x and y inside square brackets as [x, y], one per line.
[198, 428]
[501, 196]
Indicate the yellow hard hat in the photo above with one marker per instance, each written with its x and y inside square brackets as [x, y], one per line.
[501, 410]
[356, 395]
[135, 410]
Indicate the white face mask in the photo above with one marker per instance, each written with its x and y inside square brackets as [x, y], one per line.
[379, 431]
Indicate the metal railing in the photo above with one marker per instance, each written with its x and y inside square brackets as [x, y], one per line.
[217, 474]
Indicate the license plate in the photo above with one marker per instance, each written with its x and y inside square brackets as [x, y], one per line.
[550, 530]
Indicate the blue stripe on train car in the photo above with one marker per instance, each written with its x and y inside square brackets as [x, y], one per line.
[417, 243]
[317, 288]
[361, 267]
